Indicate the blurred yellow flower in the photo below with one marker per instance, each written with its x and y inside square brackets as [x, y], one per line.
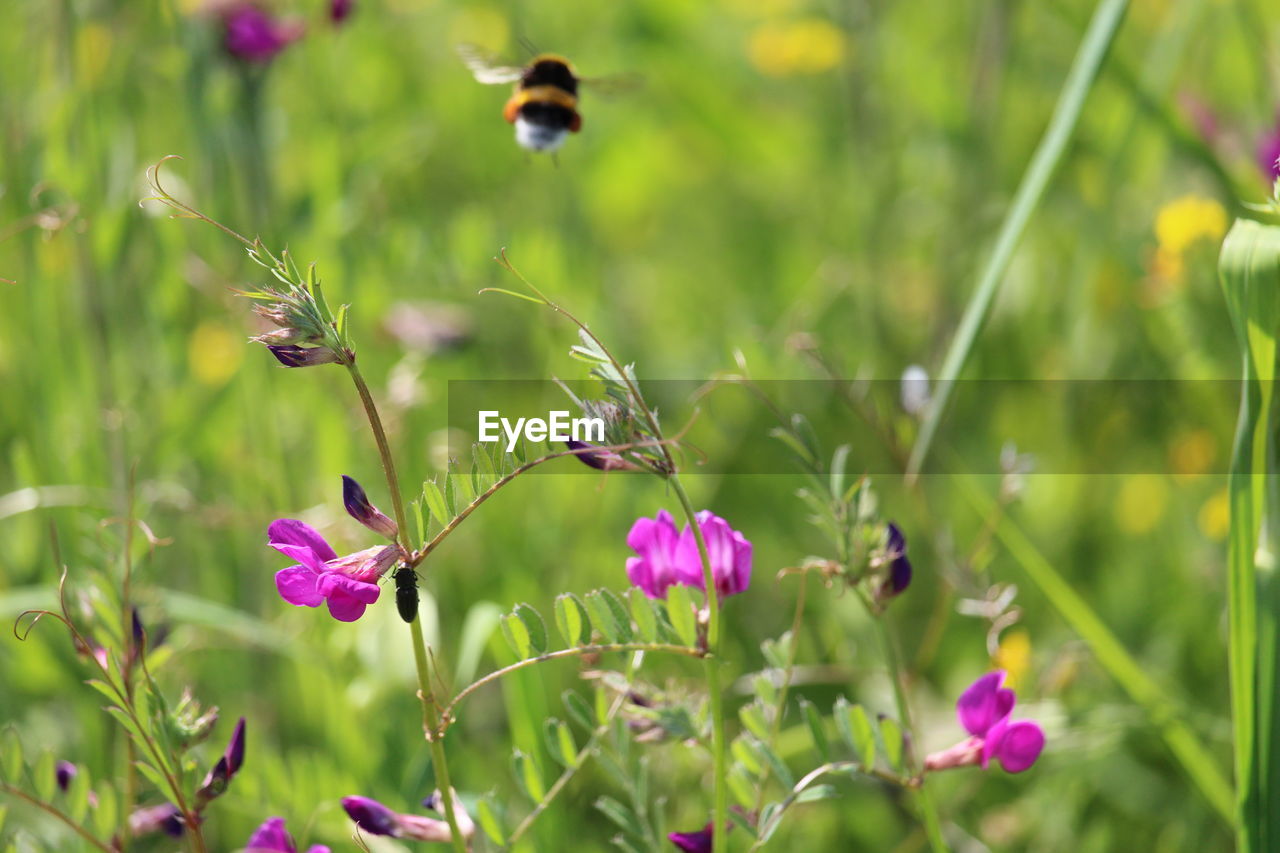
[1141, 503]
[1014, 656]
[214, 353]
[803, 46]
[1215, 516]
[93, 50]
[1193, 453]
[1183, 221]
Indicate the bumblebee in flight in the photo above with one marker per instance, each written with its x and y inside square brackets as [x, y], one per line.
[544, 105]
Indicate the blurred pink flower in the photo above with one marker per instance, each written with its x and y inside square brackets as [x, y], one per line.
[984, 710]
[272, 838]
[252, 34]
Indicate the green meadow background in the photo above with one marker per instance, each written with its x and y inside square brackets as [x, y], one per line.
[805, 188]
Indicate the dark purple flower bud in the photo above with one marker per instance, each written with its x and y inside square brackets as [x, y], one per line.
[65, 771]
[693, 842]
[253, 35]
[899, 575]
[359, 508]
[162, 818]
[600, 459]
[235, 749]
[340, 10]
[294, 356]
[371, 816]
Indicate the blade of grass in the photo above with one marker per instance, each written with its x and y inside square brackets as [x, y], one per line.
[1084, 70]
[1250, 270]
[1161, 708]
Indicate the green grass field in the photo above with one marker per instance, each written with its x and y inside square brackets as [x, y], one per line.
[808, 189]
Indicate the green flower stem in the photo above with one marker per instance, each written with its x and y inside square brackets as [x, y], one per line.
[924, 799]
[430, 714]
[435, 737]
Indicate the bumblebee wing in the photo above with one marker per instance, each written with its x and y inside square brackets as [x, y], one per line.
[484, 69]
[614, 84]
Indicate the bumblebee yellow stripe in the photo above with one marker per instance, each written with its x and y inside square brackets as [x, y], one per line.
[546, 95]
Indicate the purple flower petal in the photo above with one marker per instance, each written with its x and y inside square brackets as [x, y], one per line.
[656, 541]
[345, 608]
[1019, 744]
[235, 749]
[727, 549]
[370, 815]
[64, 772]
[297, 585]
[693, 842]
[290, 531]
[333, 583]
[984, 704]
[271, 838]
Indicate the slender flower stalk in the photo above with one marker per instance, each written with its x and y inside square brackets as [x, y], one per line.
[430, 712]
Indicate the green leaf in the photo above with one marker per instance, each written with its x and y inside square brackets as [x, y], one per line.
[104, 816]
[680, 610]
[752, 716]
[516, 633]
[560, 743]
[578, 709]
[742, 784]
[78, 795]
[744, 752]
[572, 620]
[816, 729]
[817, 792]
[156, 778]
[620, 814]
[838, 462]
[620, 615]
[892, 737]
[10, 756]
[487, 817]
[44, 777]
[536, 628]
[854, 727]
[777, 653]
[527, 775]
[765, 689]
[642, 614]
[436, 503]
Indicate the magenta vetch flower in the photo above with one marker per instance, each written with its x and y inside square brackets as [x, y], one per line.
[376, 819]
[272, 838]
[667, 557]
[164, 818]
[340, 10]
[254, 35]
[349, 583]
[693, 842]
[1269, 153]
[984, 710]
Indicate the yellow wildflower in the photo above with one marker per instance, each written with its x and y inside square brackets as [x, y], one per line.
[1214, 519]
[214, 353]
[1014, 656]
[1183, 221]
[803, 46]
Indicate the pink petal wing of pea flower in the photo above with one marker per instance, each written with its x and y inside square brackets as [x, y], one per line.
[727, 549]
[655, 541]
[984, 704]
[1015, 744]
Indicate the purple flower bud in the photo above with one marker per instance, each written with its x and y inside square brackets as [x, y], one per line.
[1269, 153]
[601, 460]
[340, 10]
[359, 508]
[220, 776]
[294, 356]
[65, 771]
[253, 35]
[693, 842]
[371, 816]
[899, 575]
[162, 818]
[139, 632]
[235, 749]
